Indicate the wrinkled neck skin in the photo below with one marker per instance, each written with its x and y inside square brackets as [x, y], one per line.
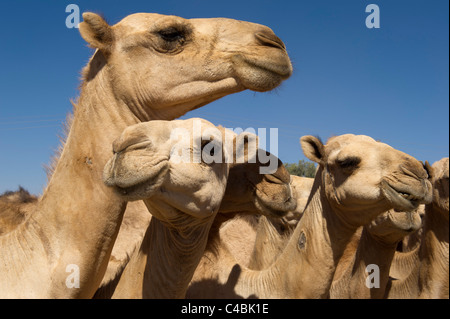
[370, 251]
[434, 256]
[175, 248]
[311, 256]
[306, 267]
[427, 266]
[77, 219]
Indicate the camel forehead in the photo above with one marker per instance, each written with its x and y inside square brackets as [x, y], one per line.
[441, 168]
[352, 143]
[149, 20]
[363, 146]
[139, 19]
[350, 139]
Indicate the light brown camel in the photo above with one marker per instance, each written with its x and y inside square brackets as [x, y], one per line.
[372, 250]
[424, 271]
[146, 67]
[357, 180]
[176, 238]
[247, 237]
[12, 213]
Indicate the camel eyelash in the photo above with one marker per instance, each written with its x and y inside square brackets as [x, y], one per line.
[174, 33]
[349, 162]
[171, 34]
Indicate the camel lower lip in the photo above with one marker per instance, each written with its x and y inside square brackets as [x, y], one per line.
[146, 184]
[271, 211]
[124, 184]
[273, 69]
[406, 224]
[281, 68]
[401, 200]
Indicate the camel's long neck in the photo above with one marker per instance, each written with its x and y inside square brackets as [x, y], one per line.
[175, 250]
[434, 255]
[427, 266]
[305, 269]
[368, 276]
[78, 213]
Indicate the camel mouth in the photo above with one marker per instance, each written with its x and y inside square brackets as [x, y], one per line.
[270, 40]
[402, 197]
[130, 181]
[281, 68]
[262, 74]
[144, 189]
[275, 209]
[405, 221]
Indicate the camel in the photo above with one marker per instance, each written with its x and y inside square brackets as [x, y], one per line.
[373, 244]
[176, 238]
[424, 271]
[247, 236]
[12, 214]
[357, 180]
[145, 67]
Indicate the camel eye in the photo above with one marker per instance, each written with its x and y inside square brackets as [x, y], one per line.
[171, 34]
[206, 143]
[349, 163]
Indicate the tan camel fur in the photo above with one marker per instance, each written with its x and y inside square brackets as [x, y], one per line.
[301, 187]
[374, 244]
[357, 180]
[247, 237]
[424, 271]
[272, 234]
[15, 208]
[176, 238]
[146, 67]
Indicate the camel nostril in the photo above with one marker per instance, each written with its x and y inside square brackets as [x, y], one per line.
[270, 39]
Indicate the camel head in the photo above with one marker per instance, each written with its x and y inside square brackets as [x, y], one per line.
[157, 162]
[250, 188]
[440, 183]
[391, 226]
[168, 65]
[362, 178]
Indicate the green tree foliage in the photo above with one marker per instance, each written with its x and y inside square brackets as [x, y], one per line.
[303, 168]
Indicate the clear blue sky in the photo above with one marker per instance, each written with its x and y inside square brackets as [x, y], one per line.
[389, 83]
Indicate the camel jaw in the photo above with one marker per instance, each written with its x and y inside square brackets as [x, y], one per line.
[405, 221]
[403, 197]
[278, 212]
[138, 187]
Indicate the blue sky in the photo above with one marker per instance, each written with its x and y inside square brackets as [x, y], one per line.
[390, 83]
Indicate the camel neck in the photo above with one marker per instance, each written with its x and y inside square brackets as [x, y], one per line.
[179, 243]
[79, 214]
[427, 266]
[318, 243]
[308, 262]
[434, 255]
[372, 256]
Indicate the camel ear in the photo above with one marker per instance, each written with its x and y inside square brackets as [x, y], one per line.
[96, 31]
[313, 148]
[429, 170]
